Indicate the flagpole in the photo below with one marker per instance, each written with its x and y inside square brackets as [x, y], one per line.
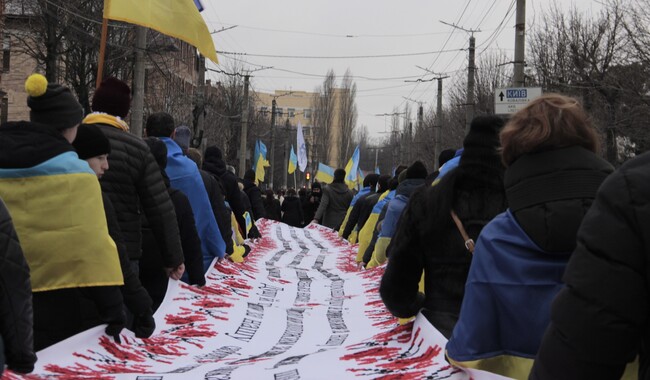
[295, 182]
[102, 52]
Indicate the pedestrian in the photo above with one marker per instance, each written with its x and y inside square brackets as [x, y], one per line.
[214, 164]
[334, 202]
[553, 172]
[254, 194]
[152, 272]
[313, 201]
[134, 183]
[16, 318]
[427, 238]
[272, 206]
[184, 176]
[92, 146]
[369, 187]
[292, 209]
[217, 199]
[55, 201]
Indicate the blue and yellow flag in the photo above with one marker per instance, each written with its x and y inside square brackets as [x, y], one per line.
[179, 18]
[351, 169]
[325, 173]
[293, 161]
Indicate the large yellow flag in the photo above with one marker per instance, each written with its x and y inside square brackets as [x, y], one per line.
[176, 18]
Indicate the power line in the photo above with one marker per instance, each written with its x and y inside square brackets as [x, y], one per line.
[338, 57]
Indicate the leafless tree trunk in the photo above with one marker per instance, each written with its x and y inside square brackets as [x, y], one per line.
[347, 117]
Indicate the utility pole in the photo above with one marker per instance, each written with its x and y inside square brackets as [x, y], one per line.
[437, 129]
[469, 112]
[272, 154]
[287, 133]
[520, 44]
[244, 129]
[137, 110]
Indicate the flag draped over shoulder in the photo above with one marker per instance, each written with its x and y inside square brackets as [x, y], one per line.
[259, 161]
[302, 149]
[293, 161]
[325, 173]
[177, 18]
[351, 169]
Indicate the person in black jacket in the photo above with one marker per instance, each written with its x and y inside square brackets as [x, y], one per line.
[217, 199]
[254, 195]
[64, 221]
[93, 147]
[16, 314]
[292, 209]
[369, 182]
[152, 273]
[428, 240]
[214, 164]
[313, 201]
[272, 206]
[134, 183]
[600, 320]
[369, 202]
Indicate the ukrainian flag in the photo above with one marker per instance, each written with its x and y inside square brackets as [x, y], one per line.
[179, 18]
[325, 173]
[351, 169]
[65, 246]
[293, 161]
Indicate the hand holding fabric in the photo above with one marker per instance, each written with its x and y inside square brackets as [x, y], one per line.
[144, 325]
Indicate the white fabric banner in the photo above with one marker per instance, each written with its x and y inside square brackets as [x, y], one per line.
[297, 308]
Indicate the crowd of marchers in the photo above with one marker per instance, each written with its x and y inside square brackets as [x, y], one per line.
[525, 249]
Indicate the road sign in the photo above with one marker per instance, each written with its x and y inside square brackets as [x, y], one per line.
[510, 100]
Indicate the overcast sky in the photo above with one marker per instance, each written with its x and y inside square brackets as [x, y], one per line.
[345, 28]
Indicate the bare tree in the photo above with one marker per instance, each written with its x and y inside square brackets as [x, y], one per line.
[323, 106]
[347, 116]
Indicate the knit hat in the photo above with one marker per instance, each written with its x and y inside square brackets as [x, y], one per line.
[416, 170]
[52, 104]
[182, 136]
[213, 152]
[112, 97]
[250, 175]
[91, 142]
[481, 143]
[445, 156]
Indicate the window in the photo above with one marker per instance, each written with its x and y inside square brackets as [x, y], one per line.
[278, 111]
[307, 113]
[264, 110]
[291, 112]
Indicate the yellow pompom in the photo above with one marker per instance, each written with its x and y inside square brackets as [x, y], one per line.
[36, 85]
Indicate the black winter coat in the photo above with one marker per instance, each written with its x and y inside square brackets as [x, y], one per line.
[255, 197]
[353, 218]
[601, 320]
[217, 167]
[136, 298]
[310, 205]
[221, 212]
[366, 209]
[16, 314]
[427, 239]
[292, 212]
[273, 209]
[152, 272]
[135, 186]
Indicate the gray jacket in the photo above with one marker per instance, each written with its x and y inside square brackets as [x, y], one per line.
[334, 204]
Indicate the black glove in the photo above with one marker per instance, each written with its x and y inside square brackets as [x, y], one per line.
[114, 329]
[254, 233]
[144, 325]
[247, 250]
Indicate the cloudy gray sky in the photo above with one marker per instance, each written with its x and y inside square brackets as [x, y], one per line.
[288, 34]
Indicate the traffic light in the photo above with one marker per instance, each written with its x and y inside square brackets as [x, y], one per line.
[308, 176]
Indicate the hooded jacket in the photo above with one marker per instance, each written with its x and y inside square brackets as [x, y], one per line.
[135, 187]
[254, 195]
[78, 263]
[214, 164]
[344, 225]
[520, 258]
[292, 211]
[334, 203]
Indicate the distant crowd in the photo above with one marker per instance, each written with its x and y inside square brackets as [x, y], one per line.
[526, 249]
